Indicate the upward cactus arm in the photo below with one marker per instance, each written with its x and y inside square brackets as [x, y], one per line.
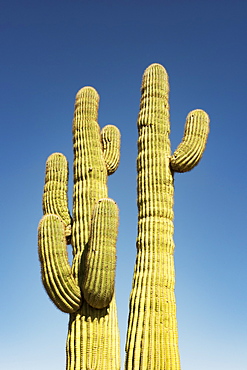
[100, 260]
[54, 233]
[55, 199]
[190, 150]
[55, 269]
[111, 147]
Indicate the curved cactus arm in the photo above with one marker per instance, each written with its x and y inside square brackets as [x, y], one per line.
[55, 200]
[190, 150]
[100, 261]
[110, 135]
[55, 268]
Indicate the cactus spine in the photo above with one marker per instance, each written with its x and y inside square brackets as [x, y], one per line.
[152, 338]
[85, 290]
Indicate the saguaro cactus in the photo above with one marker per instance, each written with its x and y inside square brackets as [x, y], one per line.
[152, 338]
[85, 290]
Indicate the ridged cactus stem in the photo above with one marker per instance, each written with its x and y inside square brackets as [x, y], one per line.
[152, 338]
[85, 289]
[90, 172]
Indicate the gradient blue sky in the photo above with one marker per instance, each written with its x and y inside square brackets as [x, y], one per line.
[50, 49]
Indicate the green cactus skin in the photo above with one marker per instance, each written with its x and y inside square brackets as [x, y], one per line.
[85, 290]
[152, 338]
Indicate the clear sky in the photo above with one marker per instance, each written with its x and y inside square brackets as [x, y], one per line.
[49, 50]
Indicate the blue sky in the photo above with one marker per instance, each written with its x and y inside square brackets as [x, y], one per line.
[49, 50]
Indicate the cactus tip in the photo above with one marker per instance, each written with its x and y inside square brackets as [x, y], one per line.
[201, 112]
[155, 68]
[56, 155]
[88, 91]
[156, 77]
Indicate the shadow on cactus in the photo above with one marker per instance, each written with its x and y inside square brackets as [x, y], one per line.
[85, 290]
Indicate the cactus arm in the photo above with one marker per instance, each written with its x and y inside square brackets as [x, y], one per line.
[55, 199]
[55, 269]
[54, 233]
[111, 147]
[100, 261]
[190, 150]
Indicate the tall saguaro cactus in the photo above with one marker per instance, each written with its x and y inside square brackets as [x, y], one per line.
[152, 338]
[85, 290]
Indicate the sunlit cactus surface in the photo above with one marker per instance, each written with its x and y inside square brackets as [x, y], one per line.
[152, 338]
[85, 290]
